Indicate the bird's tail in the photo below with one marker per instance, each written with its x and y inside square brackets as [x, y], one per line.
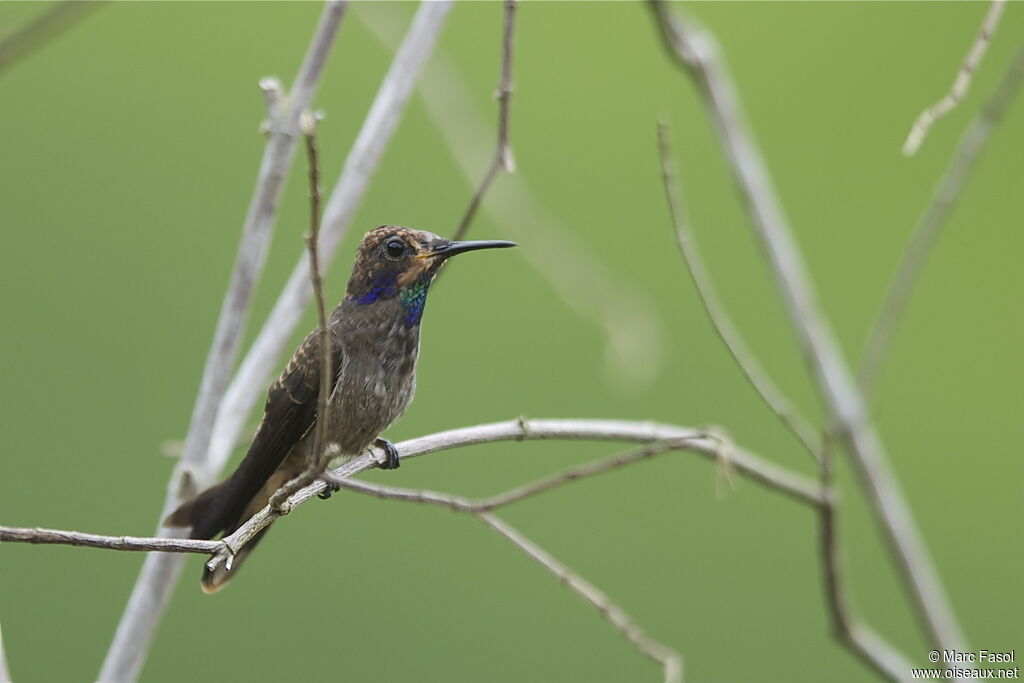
[204, 513]
[208, 515]
[214, 580]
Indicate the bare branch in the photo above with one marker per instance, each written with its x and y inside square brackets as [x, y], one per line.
[671, 662]
[936, 215]
[631, 325]
[669, 659]
[264, 355]
[662, 439]
[585, 470]
[195, 469]
[503, 154]
[273, 93]
[316, 282]
[569, 475]
[961, 83]
[696, 52]
[318, 462]
[56, 19]
[772, 476]
[5, 673]
[9, 534]
[859, 638]
[720, 320]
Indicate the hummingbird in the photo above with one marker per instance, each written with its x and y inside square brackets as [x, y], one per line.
[374, 336]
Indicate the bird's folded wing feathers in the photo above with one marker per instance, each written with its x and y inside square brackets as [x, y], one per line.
[290, 411]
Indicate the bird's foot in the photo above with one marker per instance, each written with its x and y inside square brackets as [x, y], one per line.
[329, 491]
[391, 461]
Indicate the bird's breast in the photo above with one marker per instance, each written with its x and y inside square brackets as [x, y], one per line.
[376, 383]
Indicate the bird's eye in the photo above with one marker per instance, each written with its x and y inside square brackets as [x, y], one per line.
[394, 247]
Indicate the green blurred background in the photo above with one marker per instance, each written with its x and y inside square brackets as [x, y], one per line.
[128, 151]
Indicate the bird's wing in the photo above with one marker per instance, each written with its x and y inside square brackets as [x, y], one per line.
[291, 409]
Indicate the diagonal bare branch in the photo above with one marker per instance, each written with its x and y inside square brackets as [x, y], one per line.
[961, 83]
[936, 215]
[195, 469]
[318, 462]
[632, 328]
[503, 153]
[696, 52]
[316, 282]
[720, 320]
[851, 633]
[670, 660]
[388, 106]
[56, 19]
[861, 639]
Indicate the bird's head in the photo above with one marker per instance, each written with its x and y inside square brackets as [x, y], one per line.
[395, 261]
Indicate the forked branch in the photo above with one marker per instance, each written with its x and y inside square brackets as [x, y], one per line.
[716, 312]
[757, 468]
[196, 469]
[860, 639]
[696, 52]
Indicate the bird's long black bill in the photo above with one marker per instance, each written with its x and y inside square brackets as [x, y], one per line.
[453, 248]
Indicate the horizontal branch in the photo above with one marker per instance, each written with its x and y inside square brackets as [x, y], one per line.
[665, 437]
[775, 477]
[36, 535]
[478, 505]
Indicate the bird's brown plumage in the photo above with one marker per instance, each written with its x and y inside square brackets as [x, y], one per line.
[374, 344]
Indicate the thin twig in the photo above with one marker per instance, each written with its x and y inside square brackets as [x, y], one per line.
[961, 83]
[631, 325]
[316, 282]
[36, 535]
[195, 469]
[503, 159]
[566, 476]
[585, 470]
[696, 52]
[670, 660]
[56, 19]
[859, 638]
[936, 215]
[378, 126]
[716, 312]
[315, 278]
[318, 462]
